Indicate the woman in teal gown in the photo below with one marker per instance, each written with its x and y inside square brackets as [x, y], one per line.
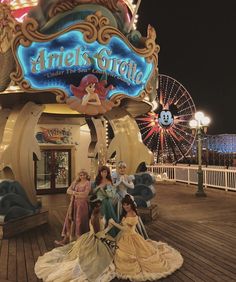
[106, 192]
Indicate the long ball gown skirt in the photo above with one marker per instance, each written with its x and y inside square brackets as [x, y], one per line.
[107, 207]
[138, 259]
[88, 259]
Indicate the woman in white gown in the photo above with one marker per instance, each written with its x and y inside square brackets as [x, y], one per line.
[90, 258]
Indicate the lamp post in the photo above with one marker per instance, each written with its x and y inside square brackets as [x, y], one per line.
[199, 126]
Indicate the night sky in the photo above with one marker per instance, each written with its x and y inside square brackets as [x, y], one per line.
[198, 46]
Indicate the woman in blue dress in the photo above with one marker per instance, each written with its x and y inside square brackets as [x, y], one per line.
[106, 192]
[123, 182]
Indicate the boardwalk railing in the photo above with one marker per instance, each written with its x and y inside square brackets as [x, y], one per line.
[213, 177]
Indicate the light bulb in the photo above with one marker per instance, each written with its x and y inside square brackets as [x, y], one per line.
[193, 123]
[199, 116]
[206, 121]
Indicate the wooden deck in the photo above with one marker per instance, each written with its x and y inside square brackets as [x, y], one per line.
[202, 229]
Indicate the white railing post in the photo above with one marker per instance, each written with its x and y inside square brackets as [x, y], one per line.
[226, 180]
[205, 178]
[188, 176]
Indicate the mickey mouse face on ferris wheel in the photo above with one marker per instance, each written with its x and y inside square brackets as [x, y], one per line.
[165, 118]
[166, 131]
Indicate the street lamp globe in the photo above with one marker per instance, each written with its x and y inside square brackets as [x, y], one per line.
[199, 116]
[193, 123]
[206, 121]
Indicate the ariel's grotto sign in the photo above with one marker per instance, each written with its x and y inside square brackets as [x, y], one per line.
[82, 67]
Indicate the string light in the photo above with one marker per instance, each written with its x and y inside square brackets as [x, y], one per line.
[107, 137]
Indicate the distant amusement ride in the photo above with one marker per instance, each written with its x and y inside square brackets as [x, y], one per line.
[166, 130]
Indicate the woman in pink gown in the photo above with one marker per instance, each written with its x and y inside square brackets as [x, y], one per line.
[77, 217]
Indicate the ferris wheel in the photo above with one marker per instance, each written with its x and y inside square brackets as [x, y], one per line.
[166, 131]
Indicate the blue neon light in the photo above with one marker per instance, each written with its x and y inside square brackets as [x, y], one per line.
[65, 60]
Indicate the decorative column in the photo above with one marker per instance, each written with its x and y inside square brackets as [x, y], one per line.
[19, 145]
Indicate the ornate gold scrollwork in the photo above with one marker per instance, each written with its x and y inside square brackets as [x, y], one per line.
[98, 20]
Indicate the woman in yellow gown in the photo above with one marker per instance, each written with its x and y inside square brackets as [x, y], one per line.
[89, 259]
[138, 259]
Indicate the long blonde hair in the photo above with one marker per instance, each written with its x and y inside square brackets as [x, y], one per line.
[82, 171]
